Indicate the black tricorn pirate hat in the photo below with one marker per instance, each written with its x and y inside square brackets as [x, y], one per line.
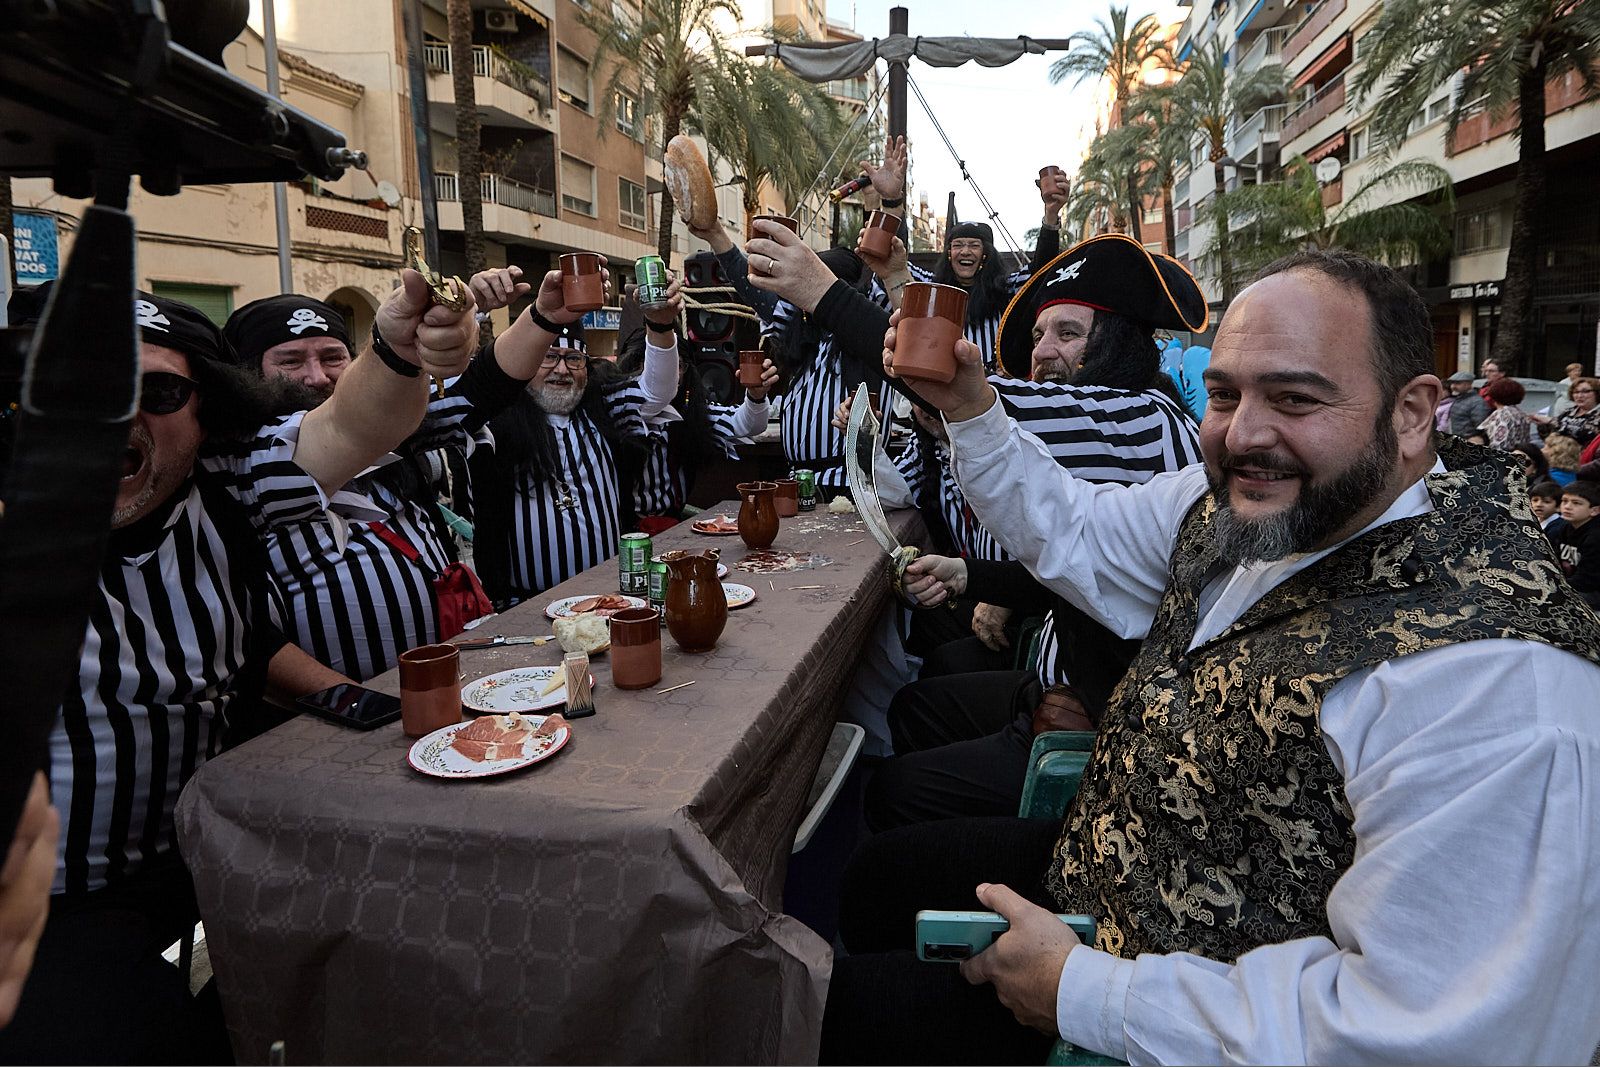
[1111, 273]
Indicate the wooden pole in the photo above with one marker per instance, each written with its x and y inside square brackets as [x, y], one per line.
[899, 21]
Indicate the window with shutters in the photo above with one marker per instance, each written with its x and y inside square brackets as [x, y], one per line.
[214, 301]
[630, 197]
[572, 78]
[577, 185]
[627, 114]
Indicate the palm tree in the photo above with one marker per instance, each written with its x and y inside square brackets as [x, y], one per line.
[676, 52]
[1163, 148]
[771, 126]
[469, 155]
[1288, 215]
[1098, 203]
[1504, 52]
[1203, 102]
[1119, 52]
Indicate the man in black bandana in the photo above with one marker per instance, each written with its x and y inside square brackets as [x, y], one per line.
[178, 648]
[376, 573]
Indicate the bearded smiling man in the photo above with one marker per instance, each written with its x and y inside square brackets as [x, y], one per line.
[1340, 807]
[548, 497]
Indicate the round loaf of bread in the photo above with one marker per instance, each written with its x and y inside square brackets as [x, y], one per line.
[688, 179]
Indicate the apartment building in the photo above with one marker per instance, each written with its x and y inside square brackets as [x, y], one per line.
[1320, 46]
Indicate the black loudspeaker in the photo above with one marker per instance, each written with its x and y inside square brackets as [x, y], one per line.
[701, 270]
[717, 363]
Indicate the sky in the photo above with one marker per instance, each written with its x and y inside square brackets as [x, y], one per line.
[1006, 122]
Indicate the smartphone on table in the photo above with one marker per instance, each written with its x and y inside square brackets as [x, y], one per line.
[352, 706]
[952, 936]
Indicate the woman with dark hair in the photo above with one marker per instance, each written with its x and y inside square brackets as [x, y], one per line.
[1534, 465]
[658, 482]
[1507, 424]
[972, 262]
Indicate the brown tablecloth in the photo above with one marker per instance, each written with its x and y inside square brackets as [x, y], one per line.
[617, 903]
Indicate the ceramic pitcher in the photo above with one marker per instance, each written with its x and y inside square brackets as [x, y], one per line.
[696, 607]
[758, 513]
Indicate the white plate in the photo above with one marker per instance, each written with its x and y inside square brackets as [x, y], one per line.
[518, 689]
[722, 570]
[739, 596]
[560, 609]
[433, 756]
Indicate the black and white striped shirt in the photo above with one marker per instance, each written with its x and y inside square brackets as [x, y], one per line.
[354, 598]
[175, 651]
[663, 485]
[806, 423]
[567, 520]
[985, 332]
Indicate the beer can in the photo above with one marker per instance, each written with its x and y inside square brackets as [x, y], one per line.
[650, 274]
[658, 583]
[633, 563]
[807, 484]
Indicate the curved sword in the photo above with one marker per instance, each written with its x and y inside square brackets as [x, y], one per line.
[862, 443]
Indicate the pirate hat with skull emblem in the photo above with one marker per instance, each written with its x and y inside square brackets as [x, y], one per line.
[264, 324]
[1111, 273]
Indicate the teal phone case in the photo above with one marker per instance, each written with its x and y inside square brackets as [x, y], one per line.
[952, 936]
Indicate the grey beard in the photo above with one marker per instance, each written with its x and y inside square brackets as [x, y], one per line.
[558, 400]
[122, 516]
[1315, 516]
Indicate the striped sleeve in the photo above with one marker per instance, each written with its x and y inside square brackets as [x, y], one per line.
[625, 401]
[725, 427]
[1103, 435]
[261, 473]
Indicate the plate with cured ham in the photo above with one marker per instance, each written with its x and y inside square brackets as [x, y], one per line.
[716, 526]
[604, 606]
[490, 745]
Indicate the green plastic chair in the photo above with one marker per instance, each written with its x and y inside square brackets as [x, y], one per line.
[1029, 635]
[1055, 769]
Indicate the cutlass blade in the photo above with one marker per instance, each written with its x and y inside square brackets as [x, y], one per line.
[862, 443]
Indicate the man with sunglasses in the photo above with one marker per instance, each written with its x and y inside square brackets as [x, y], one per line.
[179, 647]
[377, 573]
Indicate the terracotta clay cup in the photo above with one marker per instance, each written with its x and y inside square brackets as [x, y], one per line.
[878, 234]
[696, 608]
[931, 320]
[430, 689]
[781, 220]
[636, 648]
[758, 513]
[750, 368]
[583, 287]
[787, 498]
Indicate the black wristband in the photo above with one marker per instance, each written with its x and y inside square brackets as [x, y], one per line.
[543, 323]
[391, 358]
[898, 201]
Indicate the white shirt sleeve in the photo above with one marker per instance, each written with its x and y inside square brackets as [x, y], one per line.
[1105, 548]
[1464, 931]
[658, 380]
[750, 418]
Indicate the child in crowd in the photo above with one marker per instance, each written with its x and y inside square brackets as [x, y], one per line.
[1577, 539]
[1545, 497]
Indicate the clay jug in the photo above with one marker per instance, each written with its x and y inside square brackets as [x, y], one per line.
[758, 513]
[696, 607]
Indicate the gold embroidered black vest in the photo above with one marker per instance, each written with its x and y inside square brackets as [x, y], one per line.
[1211, 818]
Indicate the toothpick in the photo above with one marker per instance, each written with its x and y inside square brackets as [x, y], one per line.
[771, 586]
[802, 587]
[675, 688]
[853, 544]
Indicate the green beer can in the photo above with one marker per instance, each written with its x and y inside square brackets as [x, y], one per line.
[807, 486]
[658, 584]
[633, 564]
[650, 273]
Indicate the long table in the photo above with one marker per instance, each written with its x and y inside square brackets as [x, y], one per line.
[617, 903]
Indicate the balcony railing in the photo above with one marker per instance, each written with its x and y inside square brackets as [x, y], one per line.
[1321, 18]
[1324, 102]
[1261, 128]
[851, 89]
[487, 64]
[1267, 49]
[498, 189]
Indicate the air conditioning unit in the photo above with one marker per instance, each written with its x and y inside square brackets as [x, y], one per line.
[500, 21]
